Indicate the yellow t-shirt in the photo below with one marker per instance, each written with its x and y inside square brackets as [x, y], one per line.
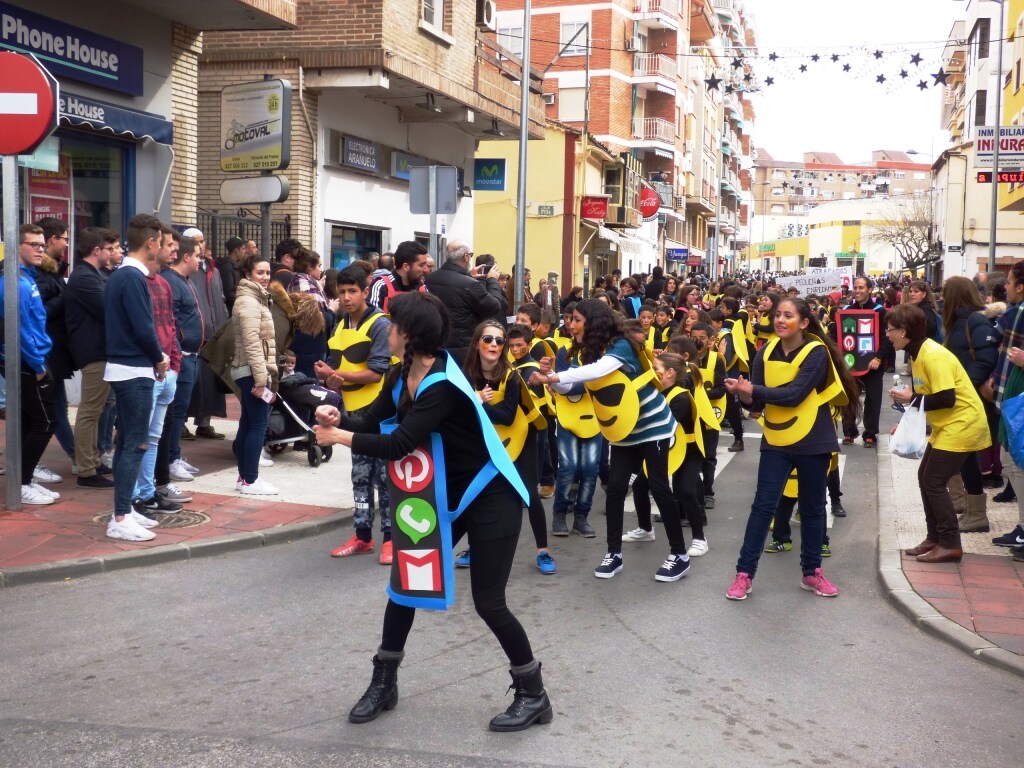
[964, 427]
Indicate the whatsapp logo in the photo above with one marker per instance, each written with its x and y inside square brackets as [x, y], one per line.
[416, 518]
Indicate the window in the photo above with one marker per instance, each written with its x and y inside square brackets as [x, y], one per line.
[980, 108]
[920, 175]
[980, 36]
[828, 194]
[777, 191]
[899, 175]
[512, 38]
[778, 209]
[433, 12]
[570, 104]
[613, 185]
[778, 174]
[899, 191]
[579, 45]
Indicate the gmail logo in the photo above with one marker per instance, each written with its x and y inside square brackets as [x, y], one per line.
[420, 569]
[864, 325]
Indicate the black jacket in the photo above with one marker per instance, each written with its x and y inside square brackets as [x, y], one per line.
[84, 315]
[469, 300]
[230, 274]
[51, 291]
[979, 353]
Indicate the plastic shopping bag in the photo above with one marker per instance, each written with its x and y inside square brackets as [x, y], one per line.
[1013, 420]
[911, 436]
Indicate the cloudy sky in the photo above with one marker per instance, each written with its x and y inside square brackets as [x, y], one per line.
[851, 114]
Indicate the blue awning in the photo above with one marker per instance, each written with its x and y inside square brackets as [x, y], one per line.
[80, 111]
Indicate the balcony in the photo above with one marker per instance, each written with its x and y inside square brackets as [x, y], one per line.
[655, 72]
[654, 129]
[664, 191]
[657, 14]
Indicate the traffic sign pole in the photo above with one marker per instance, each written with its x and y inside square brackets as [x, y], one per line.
[12, 332]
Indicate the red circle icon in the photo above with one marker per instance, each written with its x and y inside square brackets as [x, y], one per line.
[28, 104]
[649, 203]
[412, 473]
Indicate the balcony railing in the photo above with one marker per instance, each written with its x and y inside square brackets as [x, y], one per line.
[664, 191]
[647, 7]
[654, 65]
[654, 129]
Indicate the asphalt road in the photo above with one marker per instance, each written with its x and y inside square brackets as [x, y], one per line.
[254, 659]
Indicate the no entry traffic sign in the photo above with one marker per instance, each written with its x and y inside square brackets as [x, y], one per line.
[28, 104]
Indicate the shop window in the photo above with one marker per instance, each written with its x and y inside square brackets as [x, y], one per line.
[350, 243]
[98, 181]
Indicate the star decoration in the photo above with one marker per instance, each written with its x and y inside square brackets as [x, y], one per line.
[748, 77]
[737, 63]
[904, 74]
[773, 56]
[878, 54]
[915, 59]
[729, 88]
[713, 82]
[923, 85]
[815, 58]
[803, 67]
[785, 185]
[880, 79]
[769, 81]
[835, 57]
[846, 67]
[940, 77]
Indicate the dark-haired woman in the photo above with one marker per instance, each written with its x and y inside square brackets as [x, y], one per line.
[310, 349]
[794, 381]
[428, 394]
[630, 298]
[636, 421]
[954, 411]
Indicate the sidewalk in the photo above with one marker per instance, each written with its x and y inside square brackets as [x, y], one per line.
[977, 604]
[68, 539]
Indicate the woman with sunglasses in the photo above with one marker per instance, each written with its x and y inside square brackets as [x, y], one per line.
[428, 395]
[501, 391]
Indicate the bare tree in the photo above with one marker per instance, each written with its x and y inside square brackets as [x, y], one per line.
[905, 227]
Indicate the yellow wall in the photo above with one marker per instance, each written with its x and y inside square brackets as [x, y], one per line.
[790, 254]
[494, 228]
[1013, 99]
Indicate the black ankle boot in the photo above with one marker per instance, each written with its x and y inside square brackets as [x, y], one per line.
[530, 705]
[382, 693]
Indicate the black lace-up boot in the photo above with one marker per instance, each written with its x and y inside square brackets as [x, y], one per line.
[383, 691]
[530, 705]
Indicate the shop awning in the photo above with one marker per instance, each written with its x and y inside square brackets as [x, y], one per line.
[82, 112]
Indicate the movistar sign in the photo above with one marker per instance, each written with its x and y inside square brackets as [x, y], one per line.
[489, 174]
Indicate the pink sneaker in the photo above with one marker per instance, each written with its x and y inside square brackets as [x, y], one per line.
[819, 585]
[741, 587]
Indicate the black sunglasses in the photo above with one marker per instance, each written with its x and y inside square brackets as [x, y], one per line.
[499, 340]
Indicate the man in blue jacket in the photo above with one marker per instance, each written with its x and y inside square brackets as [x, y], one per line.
[134, 361]
[38, 414]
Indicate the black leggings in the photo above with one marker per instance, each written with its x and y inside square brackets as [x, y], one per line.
[627, 460]
[709, 461]
[527, 464]
[489, 569]
[734, 415]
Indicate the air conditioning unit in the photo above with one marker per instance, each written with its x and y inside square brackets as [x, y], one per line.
[688, 146]
[633, 43]
[549, 99]
[486, 15]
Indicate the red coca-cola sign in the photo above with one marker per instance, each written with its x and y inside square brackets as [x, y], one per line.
[650, 202]
[594, 208]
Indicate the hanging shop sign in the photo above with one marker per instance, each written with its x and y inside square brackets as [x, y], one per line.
[255, 126]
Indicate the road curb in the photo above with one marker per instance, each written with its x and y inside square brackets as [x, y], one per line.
[90, 566]
[901, 594]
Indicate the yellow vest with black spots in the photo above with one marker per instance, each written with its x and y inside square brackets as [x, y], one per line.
[787, 425]
[355, 345]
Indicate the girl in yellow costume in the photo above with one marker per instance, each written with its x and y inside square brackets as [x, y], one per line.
[795, 380]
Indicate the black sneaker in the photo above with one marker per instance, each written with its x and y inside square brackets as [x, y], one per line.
[673, 569]
[96, 481]
[992, 480]
[736, 447]
[157, 503]
[837, 509]
[103, 469]
[1018, 554]
[709, 502]
[140, 506]
[1014, 538]
[1005, 496]
[610, 565]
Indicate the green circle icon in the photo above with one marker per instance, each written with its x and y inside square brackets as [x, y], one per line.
[416, 518]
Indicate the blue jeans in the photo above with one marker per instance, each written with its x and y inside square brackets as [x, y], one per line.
[134, 404]
[772, 474]
[179, 408]
[64, 434]
[578, 459]
[105, 438]
[252, 430]
[163, 395]
[3, 393]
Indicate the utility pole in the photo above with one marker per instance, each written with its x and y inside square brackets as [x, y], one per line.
[995, 151]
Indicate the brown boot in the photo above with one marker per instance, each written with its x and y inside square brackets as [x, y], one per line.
[925, 546]
[941, 555]
[976, 519]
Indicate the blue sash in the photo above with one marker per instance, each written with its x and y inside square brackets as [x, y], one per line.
[423, 568]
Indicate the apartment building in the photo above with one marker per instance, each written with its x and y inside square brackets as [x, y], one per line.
[377, 88]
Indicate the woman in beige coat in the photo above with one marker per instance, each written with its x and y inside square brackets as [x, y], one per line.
[254, 371]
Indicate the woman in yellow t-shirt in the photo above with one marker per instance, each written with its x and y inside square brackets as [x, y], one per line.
[959, 427]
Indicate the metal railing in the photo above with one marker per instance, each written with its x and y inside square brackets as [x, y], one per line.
[654, 64]
[646, 7]
[654, 129]
[664, 191]
[219, 227]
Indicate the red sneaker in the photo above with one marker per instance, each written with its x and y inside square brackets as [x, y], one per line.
[353, 546]
[385, 553]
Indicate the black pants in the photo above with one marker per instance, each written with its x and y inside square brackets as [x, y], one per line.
[709, 462]
[162, 469]
[627, 460]
[936, 467]
[38, 418]
[734, 415]
[489, 570]
[527, 466]
[871, 385]
[782, 530]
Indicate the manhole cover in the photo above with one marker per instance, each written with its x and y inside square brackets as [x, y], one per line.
[183, 519]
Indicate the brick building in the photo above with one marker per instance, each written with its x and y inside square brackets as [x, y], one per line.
[377, 87]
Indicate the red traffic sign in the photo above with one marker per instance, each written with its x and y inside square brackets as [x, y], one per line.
[28, 104]
[650, 202]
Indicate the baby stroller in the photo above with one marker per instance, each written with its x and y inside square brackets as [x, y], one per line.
[291, 414]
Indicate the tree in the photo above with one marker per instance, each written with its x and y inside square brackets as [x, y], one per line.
[906, 228]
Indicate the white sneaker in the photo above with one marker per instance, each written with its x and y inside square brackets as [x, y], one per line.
[697, 548]
[128, 530]
[179, 473]
[31, 495]
[43, 474]
[266, 461]
[638, 534]
[184, 463]
[142, 520]
[44, 490]
[260, 488]
[107, 459]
